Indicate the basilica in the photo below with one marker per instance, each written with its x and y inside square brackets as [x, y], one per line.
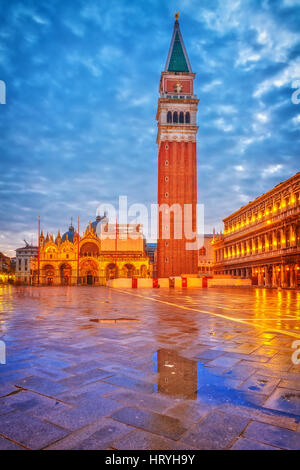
[104, 251]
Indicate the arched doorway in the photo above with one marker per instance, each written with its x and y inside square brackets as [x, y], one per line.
[254, 277]
[270, 275]
[111, 271]
[48, 273]
[89, 278]
[128, 270]
[65, 274]
[89, 272]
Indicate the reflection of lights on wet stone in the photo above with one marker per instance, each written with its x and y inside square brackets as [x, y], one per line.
[113, 320]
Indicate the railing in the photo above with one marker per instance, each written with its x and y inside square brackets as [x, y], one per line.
[259, 256]
[178, 97]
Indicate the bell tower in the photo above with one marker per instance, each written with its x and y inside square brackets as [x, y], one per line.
[177, 163]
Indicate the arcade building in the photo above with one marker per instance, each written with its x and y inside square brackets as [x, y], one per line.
[261, 240]
[104, 251]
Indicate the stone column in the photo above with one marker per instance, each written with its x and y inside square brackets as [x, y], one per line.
[274, 276]
[293, 276]
[282, 276]
[267, 277]
[260, 277]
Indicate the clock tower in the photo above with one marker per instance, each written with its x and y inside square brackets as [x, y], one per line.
[177, 252]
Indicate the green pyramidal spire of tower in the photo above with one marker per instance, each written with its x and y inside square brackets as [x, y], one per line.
[177, 60]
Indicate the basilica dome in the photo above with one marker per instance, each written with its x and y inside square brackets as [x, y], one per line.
[70, 234]
[99, 220]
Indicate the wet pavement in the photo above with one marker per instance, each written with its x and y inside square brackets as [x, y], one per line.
[99, 368]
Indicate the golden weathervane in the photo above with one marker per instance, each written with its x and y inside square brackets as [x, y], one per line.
[176, 15]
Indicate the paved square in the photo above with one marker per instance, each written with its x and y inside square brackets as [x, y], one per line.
[163, 369]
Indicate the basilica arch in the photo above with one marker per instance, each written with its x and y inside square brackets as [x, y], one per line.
[65, 272]
[111, 271]
[89, 248]
[48, 275]
[89, 272]
[128, 270]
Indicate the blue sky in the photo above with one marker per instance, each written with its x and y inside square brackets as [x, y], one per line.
[82, 82]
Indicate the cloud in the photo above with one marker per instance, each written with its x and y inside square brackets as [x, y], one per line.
[239, 168]
[262, 117]
[271, 170]
[285, 77]
[222, 125]
[296, 120]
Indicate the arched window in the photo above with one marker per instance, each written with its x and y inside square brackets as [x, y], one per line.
[169, 116]
[181, 117]
[175, 117]
[187, 118]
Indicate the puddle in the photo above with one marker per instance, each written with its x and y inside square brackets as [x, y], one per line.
[262, 382]
[291, 397]
[180, 377]
[113, 320]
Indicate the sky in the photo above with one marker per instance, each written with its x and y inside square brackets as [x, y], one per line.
[78, 127]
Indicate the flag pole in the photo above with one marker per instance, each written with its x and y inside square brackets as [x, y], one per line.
[78, 253]
[116, 245]
[39, 247]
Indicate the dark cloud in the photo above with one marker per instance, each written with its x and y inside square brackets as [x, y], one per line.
[82, 86]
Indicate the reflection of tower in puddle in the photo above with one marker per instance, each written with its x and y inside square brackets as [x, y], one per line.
[177, 375]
